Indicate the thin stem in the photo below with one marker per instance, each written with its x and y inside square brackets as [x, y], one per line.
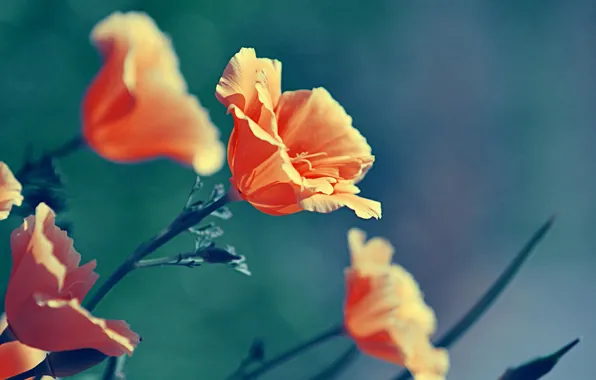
[491, 295]
[63, 150]
[114, 368]
[184, 221]
[67, 148]
[290, 354]
[338, 365]
[181, 259]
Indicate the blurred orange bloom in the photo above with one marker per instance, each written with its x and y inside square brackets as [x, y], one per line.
[16, 357]
[46, 288]
[138, 107]
[385, 312]
[10, 191]
[292, 151]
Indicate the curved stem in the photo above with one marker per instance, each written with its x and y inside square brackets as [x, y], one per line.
[67, 148]
[63, 150]
[335, 368]
[288, 355]
[184, 221]
[491, 295]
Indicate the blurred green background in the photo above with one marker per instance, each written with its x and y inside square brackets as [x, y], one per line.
[480, 113]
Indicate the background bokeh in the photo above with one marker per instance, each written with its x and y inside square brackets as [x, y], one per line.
[481, 115]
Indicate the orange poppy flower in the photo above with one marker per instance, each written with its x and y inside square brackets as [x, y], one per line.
[16, 357]
[10, 191]
[46, 288]
[138, 107]
[291, 151]
[385, 312]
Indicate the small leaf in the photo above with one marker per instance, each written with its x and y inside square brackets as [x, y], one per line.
[190, 203]
[537, 368]
[218, 191]
[223, 213]
[208, 232]
[218, 256]
[198, 184]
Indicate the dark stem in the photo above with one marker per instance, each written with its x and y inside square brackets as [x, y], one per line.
[183, 222]
[67, 148]
[174, 260]
[288, 355]
[114, 368]
[491, 295]
[63, 150]
[338, 365]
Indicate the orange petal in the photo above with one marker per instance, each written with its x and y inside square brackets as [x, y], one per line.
[68, 326]
[368, 257]
[137, 107]
[250, 83]
[10, 191]
[15, 357]
[364, 208]
[34, 264]
[385, 312]
[259, 167]
[45, 290]
[313, 122]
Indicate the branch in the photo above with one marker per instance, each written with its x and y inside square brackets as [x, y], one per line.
[286, 356]
[338, 365]
[184, 221]
[491, 295]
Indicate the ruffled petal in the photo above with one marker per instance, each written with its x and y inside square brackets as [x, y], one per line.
[364, 208]
[15, 357]
[250, 83]
[10, 191]
[68, 326]
[314, 122]
[138, 108]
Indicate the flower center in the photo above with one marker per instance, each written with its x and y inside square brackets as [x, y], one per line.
[303, 162]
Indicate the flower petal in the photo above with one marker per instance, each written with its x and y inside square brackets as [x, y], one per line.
[313, 122]
[250, 83]
[34, 264]
[113, 338]
[138, 108]
[10, 191]
[364, 208]
[260, 167]
[15, 357]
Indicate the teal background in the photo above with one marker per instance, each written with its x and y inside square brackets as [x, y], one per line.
[481, 115]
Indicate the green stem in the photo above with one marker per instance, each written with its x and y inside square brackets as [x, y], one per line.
[290, 354]
[491, 295]
[63, 150]
[335, 368]
[183, 222]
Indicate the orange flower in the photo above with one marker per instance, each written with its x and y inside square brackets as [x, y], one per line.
[45, 290]
[138, 107]
[10, 191]
[16, 357]
[292, 151]
[385, 312]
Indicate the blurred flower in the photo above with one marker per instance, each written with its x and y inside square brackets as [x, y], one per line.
[385, 312]
[10, 191]
[15, 357]
[138, 107]
[45, 290]
[292, 151]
